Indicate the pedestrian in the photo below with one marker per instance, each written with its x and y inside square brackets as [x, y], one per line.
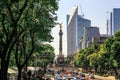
[87, 77]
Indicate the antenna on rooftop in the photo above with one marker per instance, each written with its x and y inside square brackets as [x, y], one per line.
[82, 14]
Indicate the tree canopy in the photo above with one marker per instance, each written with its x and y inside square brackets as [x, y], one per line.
[103, 57]
[22, 24]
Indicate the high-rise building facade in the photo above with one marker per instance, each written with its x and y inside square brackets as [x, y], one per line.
[100, 39]
[81, 24]
[75, 25]
[115, 20]
[110, 27]
[88, 34]
[71, 31]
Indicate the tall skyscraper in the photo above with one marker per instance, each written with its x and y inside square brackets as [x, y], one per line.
[71, 31]
[88, 34]
[75, 25]
[81, 24]
[115, 20]
[110, 27]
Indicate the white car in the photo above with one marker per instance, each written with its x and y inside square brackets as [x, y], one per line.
[71, 78]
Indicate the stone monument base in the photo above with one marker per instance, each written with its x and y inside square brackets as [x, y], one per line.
[60, 59]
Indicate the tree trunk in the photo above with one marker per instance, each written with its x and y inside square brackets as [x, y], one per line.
[19, 73]
[96, 69]
[4, 68]
[116, 73]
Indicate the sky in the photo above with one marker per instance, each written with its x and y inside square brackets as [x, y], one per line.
[94, 10]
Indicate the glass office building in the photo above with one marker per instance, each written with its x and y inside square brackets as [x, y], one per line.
[81, 24]
[114, 21]
[88, 34]
[75, 25]
[71, 31]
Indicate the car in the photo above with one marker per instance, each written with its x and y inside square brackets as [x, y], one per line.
[71, 78]
[58, 78]
[82, 78]
[91, 76]
[65, 77]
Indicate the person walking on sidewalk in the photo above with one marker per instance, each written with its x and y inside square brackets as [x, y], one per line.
[87, 77]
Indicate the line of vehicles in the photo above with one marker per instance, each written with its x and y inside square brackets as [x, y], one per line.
[66, 74]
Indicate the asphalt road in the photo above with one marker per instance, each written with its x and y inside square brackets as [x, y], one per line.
[97, 77]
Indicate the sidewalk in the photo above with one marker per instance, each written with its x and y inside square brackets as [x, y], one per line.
[97, 77]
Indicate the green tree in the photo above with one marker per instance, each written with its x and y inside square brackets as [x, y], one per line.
[115, 49]
[76, 59]
[23, 19]
[108, 44]
[92, 57]
[38, 59]
[81, 58]
[109, 54]
[112, 47]
[44, 55]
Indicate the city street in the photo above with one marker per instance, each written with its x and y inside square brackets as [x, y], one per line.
[59, 40]
[72, 74]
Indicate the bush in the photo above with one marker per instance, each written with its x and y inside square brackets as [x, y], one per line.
[106, 75]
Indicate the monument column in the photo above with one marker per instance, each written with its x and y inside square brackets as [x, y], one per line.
[60, 58]
[60, 39]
